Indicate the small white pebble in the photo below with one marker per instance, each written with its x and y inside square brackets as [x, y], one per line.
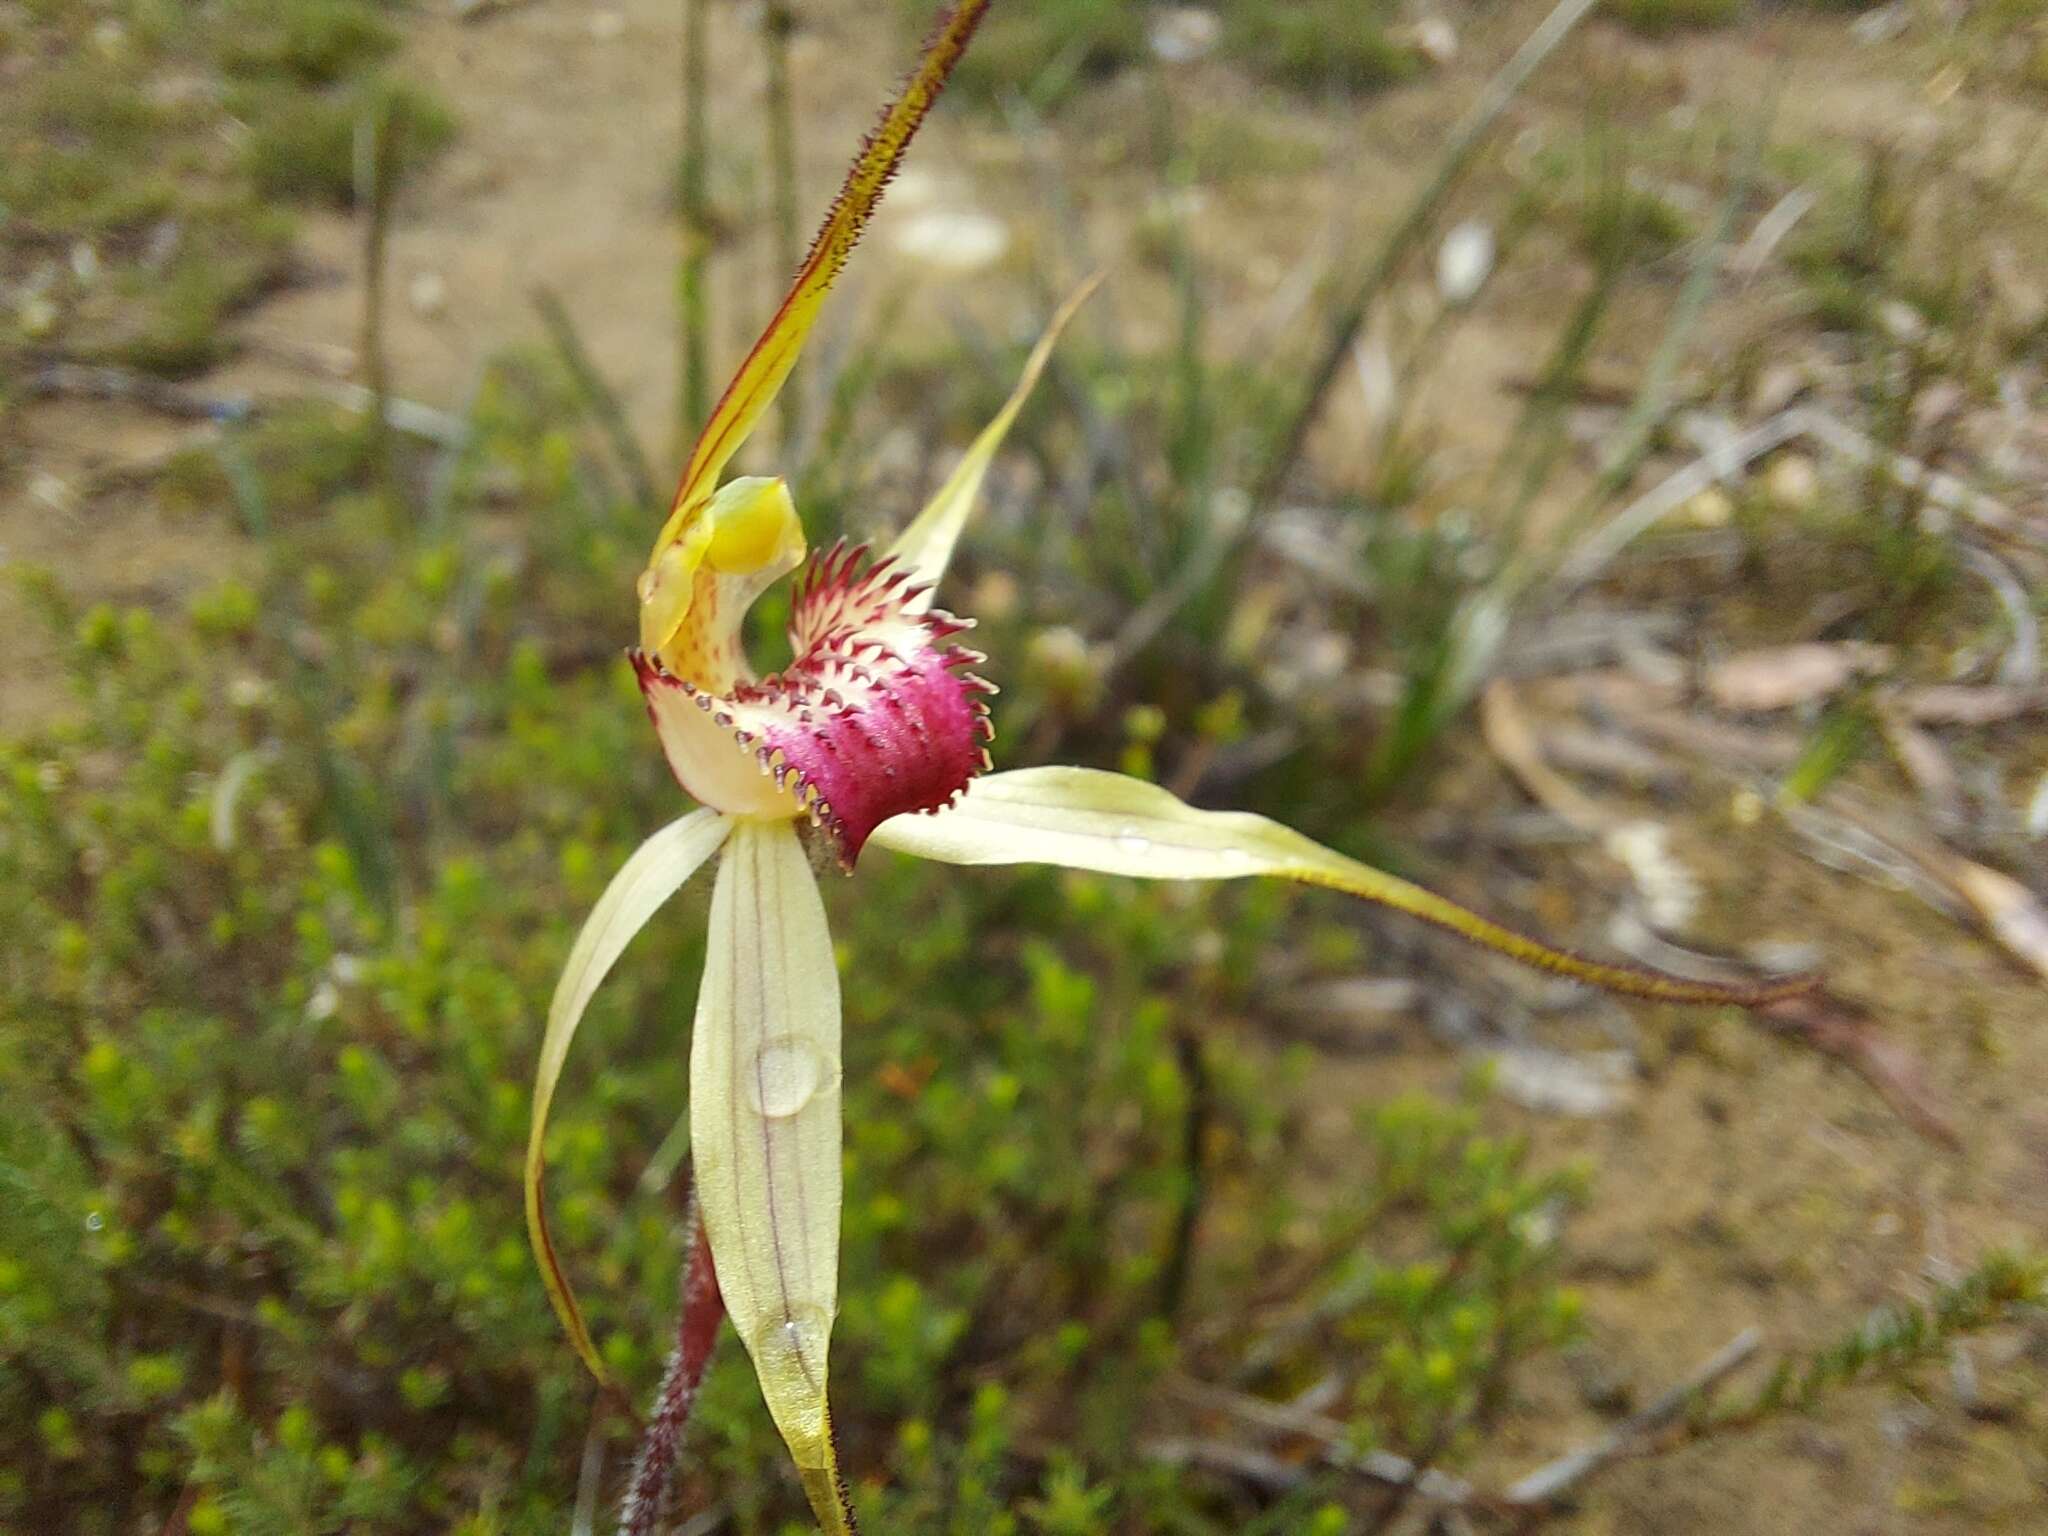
[37, 315]
[1180, 34]
[53, 492]
[1901, 320]
[1464, 261]
[956, 240]
[1792, 481]
[1436, 40]
[1711, 508]
[428, 294]
[1671, 896]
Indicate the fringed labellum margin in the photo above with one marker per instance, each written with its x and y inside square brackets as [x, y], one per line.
[877, 714]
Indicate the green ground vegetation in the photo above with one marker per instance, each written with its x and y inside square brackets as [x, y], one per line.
[302, 869]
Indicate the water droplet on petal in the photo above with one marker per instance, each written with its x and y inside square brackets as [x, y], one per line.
[94, 1221]
[789, 1071]
[789, 1349]
[1131, 840]
[645, 583]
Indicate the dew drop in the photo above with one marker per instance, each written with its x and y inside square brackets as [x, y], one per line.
[789, 1348]
[94, 1221]
[645, 585]
[788, 1072]
[1133, 841]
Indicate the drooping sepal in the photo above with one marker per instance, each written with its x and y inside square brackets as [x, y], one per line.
[765, 1133]
[877, 715]
[655, 872]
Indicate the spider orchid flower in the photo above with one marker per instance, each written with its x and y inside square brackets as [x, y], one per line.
[876, 731]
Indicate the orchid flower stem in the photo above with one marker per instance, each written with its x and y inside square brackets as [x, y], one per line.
[778, 22]
[701, 1312]
[694, 395]
[375, 161]
[761, 374]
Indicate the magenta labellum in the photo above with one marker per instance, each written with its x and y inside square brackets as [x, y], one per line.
[876, 715]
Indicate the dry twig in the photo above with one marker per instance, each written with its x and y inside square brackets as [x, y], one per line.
[1550, 1482]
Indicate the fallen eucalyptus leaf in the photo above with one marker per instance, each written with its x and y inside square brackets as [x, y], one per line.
[1788, 675]
[1847, 1033]
[2012, 913]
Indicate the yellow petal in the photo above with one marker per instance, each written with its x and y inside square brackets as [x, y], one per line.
[764, 1131]
[655, 872]
[926, 545]
[753, 389]
[1085, 819]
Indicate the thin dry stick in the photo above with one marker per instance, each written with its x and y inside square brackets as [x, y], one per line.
[1466, 140]
[778, 22]
[412, 417]
[92, 382]
[1533, 1494]
[1722, 461]
[1727, 460]
[1944, 490]
[1550, 1482]
[1333, 1440]
[693, 401]
[2021, 665]
[375, 133]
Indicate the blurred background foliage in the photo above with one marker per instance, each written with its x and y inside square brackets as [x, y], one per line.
[285, 889]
